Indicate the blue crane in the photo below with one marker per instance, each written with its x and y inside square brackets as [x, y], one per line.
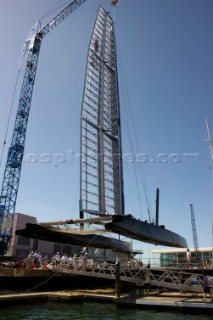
[195, 238]
[194, 229]
[15, 154]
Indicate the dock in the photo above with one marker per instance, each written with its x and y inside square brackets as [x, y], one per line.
[163, 301]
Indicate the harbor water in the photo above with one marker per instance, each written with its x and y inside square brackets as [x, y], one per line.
[90, 310]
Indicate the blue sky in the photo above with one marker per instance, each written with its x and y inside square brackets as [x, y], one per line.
[165, 50]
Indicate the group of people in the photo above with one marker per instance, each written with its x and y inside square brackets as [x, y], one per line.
[36, 259]
[57, 260]
[64, 260]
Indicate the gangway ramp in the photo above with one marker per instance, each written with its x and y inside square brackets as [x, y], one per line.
[159, 278]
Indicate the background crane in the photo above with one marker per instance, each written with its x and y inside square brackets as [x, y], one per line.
[194, 233]
[15, 154]
[209, 139]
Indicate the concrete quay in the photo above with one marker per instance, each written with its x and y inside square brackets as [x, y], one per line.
[163, 301]
[172, 301]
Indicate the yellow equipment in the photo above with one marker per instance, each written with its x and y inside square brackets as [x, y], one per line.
[114, 2]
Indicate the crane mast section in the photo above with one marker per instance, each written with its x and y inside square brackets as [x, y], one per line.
[16, 151]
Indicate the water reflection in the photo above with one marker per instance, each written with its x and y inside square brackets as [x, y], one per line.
[88, 311]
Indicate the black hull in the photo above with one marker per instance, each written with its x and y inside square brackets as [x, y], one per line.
[93, 240]
[130, 227]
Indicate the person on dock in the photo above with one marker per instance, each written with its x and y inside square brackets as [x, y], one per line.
[181, 281]
[36, 260]
[84, 259]
[207, 287]
[64, 257]
[129, 263]
[146, 274]
[188, 257]
[57, 257]
[56, 260]
[39, 259]
[30, 255]
[117, 262]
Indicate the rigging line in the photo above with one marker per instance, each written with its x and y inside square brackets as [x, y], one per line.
[145, 187]
[12, 103]
[114, 15]
[10, 112]
[132, 150]
[143, 180]
[75, 201]
[141, 171]
[48, 279]
[89, 243]
[134, 167]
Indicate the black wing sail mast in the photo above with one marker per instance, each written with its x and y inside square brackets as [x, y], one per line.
[101, 169]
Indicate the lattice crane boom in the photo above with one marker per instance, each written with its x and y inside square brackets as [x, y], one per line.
[194, 229]
[199, 258]
[12, 171]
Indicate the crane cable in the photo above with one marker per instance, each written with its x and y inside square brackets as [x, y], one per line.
[11, 108]
[54, 8]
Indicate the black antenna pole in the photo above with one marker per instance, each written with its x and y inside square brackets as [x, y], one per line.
[157, 207]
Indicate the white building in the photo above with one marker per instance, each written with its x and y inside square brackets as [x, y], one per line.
[175, 257]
